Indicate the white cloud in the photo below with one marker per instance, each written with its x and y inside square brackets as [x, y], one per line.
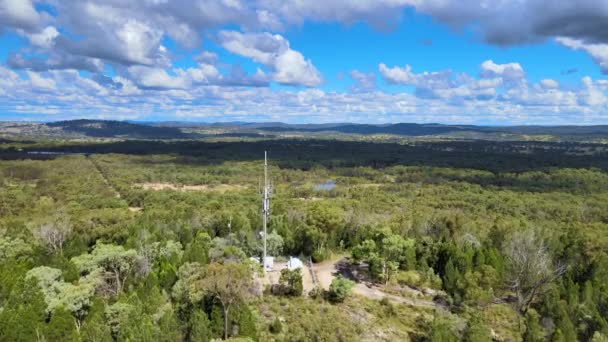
[67, 94]
[599, 52]
[273, 51]
[291, 68]
[130, 32]
[139, 42]
[499, 86]
[592, 93]
[549, 84]
[405, 76]
[128, 36]
[19, 13]
[156, 78]
[40, 82]
[364, 82]
[508, 71]
[207, 57]
[44, 38]
[378, 13]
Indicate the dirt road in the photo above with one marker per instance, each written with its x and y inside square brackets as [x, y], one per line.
[326, 271]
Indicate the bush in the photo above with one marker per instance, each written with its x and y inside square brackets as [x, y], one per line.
[276, 327]
[339, 289]
[290, 283]
[408, 278]
[318, 256]
[316, 293]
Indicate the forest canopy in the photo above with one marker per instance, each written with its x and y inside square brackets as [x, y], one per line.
[145, 240]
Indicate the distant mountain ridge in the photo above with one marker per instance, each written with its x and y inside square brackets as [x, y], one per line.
[408, 129]
[193, 130]
[117, 129]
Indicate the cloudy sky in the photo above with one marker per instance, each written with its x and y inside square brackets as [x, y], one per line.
[496, 62]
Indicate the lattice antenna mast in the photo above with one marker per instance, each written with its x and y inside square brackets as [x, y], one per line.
[265, 208]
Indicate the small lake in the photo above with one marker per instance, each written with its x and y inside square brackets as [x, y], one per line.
[327, 185]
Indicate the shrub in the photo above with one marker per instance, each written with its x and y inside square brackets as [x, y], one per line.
[290, 283]
[339, 289]
[276, 326]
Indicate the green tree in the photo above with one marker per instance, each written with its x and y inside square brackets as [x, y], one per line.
[61, 327]
[230, 284]
[75, 298]
[450, 277]
[558, 336]
[477, 331]
[274, 244]
[23, 315]
[339, 289]
[534, 331]
[441, 331]
[115, 261]
[198, 249]
[94, 327]
[290, 282]
[564, 323]
[199, 326]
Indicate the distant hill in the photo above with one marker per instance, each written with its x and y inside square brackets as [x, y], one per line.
[192, 130]
[118, 129]
[409, 129]
[413, 129]
[601, 130]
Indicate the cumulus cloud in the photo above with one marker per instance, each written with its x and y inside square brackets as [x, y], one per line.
[599, 52]
[363, 82]
[273, 51]
[128, 38]
[45, 38]
[508, 71]
[207, 57]
[549, 84]
[54, 61]
[382, 14]
[156, 78]
[131, 32]
[40, 82]
[502, 85]
[205, 93]
[114, 36]
[405, 76]
[20, 14]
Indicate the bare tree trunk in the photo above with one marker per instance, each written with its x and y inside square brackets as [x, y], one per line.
[225, 321]
[118, 284]
[78, 324]
[385, 271]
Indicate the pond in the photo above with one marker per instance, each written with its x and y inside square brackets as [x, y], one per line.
[327, 185]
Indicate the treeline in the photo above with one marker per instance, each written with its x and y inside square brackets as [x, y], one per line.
[306, 154]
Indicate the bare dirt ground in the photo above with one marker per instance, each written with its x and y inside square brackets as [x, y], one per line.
[326, 271]
[178, 187]
[272, 277]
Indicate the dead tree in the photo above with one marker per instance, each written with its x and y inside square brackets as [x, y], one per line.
[530, 268]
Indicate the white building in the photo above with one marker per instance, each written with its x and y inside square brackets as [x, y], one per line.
[269, 262]
[294, 263]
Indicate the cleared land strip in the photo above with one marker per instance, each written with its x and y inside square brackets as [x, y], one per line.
[103, 176]
[180, 187]
[328, 270]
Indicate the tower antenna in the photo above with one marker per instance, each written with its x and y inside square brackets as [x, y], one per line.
[265, 208]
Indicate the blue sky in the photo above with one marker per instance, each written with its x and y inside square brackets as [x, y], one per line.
[376, 61]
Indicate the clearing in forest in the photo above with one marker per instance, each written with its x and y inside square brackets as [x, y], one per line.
[180, 187]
